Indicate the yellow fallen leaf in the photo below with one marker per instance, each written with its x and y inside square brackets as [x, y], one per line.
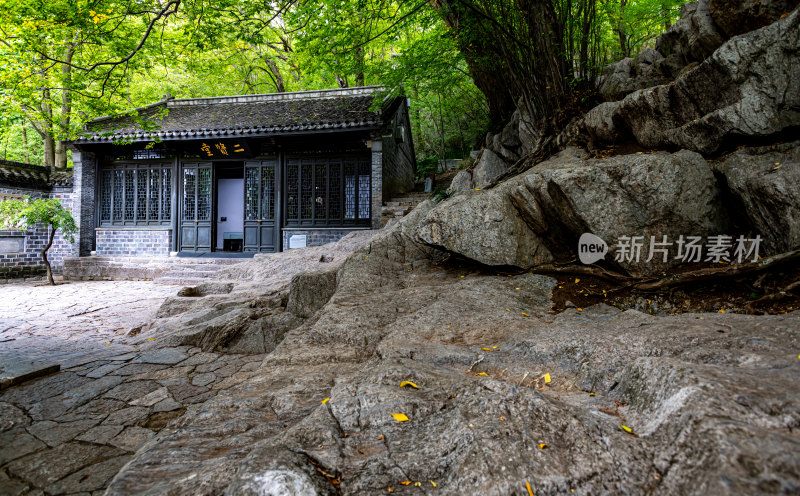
[408, 383]
[487, 349]
[591, 394]
[406, 483]
[380, 438]
[528, 486]
[433, 484]
[547, 378]
[542, 445]
[400, 417]
[580, 309]
[517, 289]
[722, 311]
[150, 339]
[418, 484]
[525, 314]
[577, 280]
[628, 430]
[495, 347]
[477, 189]
[325, 400]
[482, 373]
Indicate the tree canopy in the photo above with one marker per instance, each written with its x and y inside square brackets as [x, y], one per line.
[466, 64]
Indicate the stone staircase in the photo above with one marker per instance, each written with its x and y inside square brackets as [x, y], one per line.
[401, 205]
[161, 270]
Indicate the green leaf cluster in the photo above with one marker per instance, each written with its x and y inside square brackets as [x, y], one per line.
[23, 214]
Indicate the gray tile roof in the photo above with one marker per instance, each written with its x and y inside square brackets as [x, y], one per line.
[245, 115]
[33, 176]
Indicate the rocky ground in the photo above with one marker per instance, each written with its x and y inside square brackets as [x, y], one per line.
[504, 392]
[429, 358]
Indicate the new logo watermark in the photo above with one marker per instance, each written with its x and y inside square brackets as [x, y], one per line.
[715, 249]
[591, 248]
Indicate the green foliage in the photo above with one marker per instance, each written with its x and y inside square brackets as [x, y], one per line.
[427, 166]
[25, 213]
[64, 62]
[439, 194]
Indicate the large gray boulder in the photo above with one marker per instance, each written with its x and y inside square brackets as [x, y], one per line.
[488, 169]
[538, 216]
[484, 226]
[735, 17]
[628, 75]
[703, 27]
[748, 89]
[694, 37]
[765, 185]
[461, 182]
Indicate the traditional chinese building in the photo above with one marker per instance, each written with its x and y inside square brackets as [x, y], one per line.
[255, 173]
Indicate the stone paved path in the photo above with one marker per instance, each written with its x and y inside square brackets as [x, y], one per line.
[70, 432]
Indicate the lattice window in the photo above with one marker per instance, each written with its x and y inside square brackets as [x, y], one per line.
[166, 194]
[117, 208]
[268, 192]
[189, 191]
[306, 188]
[320, 190]
[132, 195]
[292, 187]
[363, 190]
[105, 199]
[251, 194]
[204, 194]
[141, 195]
[349, 190]
[154, 196]
[335, 190]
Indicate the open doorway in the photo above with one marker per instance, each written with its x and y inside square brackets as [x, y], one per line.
[230, 207]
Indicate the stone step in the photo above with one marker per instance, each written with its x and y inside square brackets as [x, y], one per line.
[139, 268]
[205, 274]
[179, 281]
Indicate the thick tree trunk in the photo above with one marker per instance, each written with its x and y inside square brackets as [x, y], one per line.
[25, 149]
[341, 81]
[44, 256]
[360, 73]
[280, 87]
[46, 131]
[60, 152]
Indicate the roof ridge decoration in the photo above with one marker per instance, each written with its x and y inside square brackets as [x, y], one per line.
[274, 97]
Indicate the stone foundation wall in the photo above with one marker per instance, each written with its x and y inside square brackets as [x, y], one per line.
[315, 237]
[133, 242]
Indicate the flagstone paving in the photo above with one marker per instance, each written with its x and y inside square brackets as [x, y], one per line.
[71, 431]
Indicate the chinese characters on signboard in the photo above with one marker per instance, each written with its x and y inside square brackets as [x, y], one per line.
[224, 149]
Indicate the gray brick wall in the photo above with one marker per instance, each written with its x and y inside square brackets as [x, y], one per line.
[377, 182]
[28, 262]
[315, 237]
[131, 242]
[399, 163]
[84, 193]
